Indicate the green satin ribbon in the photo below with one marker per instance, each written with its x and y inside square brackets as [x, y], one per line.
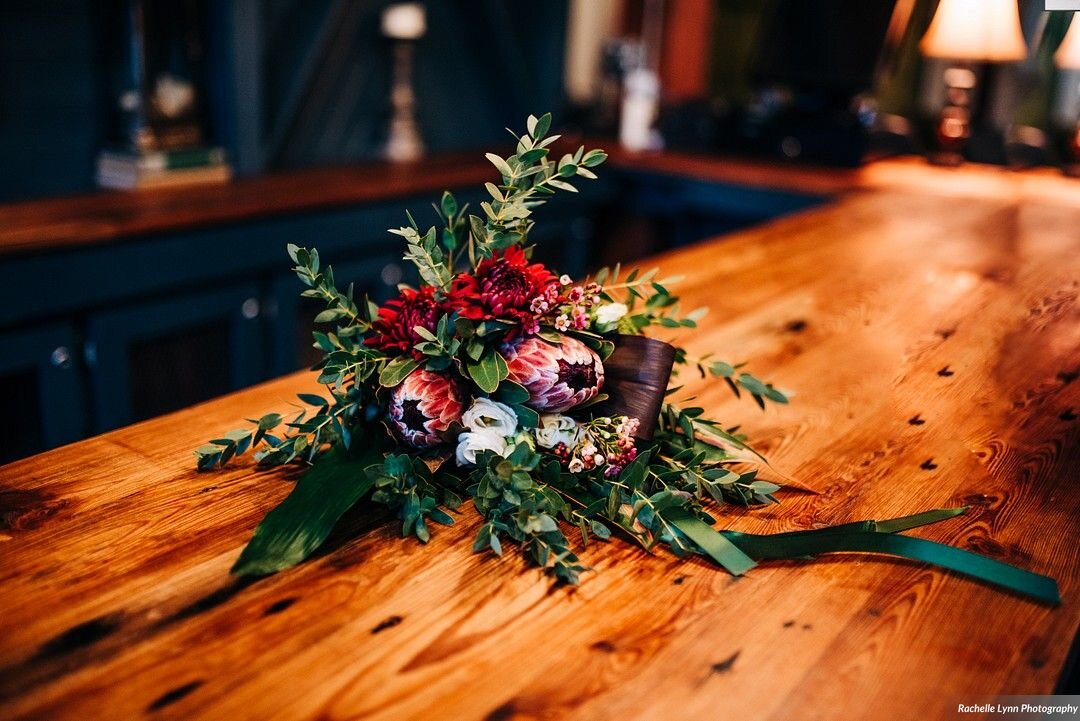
[738, 552]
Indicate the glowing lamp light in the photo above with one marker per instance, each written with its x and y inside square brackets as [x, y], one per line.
[404, 21]
[1068, 53]
[976, 30]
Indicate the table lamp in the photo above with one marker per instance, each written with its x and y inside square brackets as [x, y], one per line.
[1067, 57]
[968, 32]
[403, 23]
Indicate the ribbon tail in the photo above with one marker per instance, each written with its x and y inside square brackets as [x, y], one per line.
[739, 551]
[906, 523]
[1033, 585]
[715, 545]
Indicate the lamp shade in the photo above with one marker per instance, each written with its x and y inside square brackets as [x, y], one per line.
[1068, 53]
[404, 21]
[977, 30]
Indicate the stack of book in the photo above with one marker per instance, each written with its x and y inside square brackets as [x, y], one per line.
[128, 170]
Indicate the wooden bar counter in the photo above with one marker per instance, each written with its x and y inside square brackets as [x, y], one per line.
[929, 326]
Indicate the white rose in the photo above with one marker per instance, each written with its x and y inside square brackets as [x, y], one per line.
[555, 429]
[487, 415]
[610, 313]
[472, 442]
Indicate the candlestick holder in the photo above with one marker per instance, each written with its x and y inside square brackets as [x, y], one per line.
[403, 23]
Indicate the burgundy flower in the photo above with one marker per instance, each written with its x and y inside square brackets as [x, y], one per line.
[558, 377]
[393, 330]
[423, 407]
[503, 287]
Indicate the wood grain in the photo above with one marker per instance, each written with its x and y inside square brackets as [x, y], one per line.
[933, 344]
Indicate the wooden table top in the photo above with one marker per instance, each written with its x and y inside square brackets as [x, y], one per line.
[933, 344]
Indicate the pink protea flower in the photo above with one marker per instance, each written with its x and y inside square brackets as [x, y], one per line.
[423, 407]
[558, 377]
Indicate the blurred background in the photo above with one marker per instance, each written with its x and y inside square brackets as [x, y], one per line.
[158, 155]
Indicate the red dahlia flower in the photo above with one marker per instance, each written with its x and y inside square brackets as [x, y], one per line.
[393, 330]
[503, 287]
[423, 407]
[558, 377]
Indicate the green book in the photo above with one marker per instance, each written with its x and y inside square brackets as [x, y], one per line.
[164, 159]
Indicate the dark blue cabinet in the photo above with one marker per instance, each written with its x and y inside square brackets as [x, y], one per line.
[42, 390]
[691, 210]
[164, 355]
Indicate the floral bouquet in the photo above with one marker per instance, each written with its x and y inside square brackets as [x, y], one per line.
[538, 398]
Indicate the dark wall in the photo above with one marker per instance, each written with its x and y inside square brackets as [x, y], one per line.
[291, 83]
[483, 65]
[50, 120]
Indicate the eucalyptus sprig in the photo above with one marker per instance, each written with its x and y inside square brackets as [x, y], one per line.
[758, 389]
[529, 176]
[516, 505]
[304, 438]
[405, 485]
[346, 369]
[320, 285]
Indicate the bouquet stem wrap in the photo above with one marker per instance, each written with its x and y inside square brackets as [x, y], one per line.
[636, 379]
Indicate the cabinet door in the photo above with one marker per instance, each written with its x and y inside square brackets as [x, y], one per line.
[376, 276]
[41, 391]
[165, 355]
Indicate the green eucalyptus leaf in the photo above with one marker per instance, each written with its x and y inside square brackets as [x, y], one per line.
[449, 205]
[396, 371]
[499, 164]
[543, 125]
[531, 156]
[599, 530]
[527, 417]
[510, 393]
[764, 487]
[593, 158]
[551, 336]
[488, 371]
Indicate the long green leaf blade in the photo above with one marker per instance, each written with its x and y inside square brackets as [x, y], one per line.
[292, 531]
